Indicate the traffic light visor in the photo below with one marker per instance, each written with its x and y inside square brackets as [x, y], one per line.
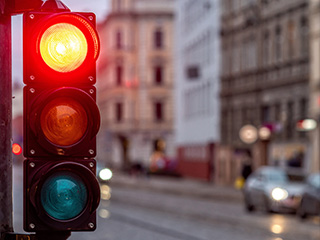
[63, 47]
[63, 195]
[64, 121]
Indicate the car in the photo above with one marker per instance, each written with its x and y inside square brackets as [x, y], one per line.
[270, 189]
[162, 165]
[310, 201]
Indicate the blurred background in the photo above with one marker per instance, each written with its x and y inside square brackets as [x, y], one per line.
[193, 91]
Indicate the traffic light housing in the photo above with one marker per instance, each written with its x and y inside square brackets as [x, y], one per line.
[61, 120]
[61, 195]
[76, 121]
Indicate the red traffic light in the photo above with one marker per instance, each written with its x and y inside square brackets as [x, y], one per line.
[16, 149]
[60, 48]
[63, 47]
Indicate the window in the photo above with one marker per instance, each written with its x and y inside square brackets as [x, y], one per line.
[118, 40]
[158, 111]
[224, 126]
[303, 108]
[278, 47]
[236, 55]
[290, 122]
[158, 38]
[158, 75]
[277, 112]
[266, 48]
[303, 104]
[265, 114]
[192, 72]
[304, 45]
[119, 75]
[291, 48]
[119, 112]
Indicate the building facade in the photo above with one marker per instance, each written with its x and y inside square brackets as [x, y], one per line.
[197, 64]
[264, 83]
[135, 82]
[314, 17]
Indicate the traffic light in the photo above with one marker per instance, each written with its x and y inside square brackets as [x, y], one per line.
[61, 120]
[16, 149]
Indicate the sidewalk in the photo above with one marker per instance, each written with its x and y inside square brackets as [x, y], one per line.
[179, 186]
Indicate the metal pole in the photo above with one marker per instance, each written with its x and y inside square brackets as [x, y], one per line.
[6, 224]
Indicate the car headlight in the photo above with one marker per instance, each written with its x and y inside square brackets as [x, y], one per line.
[105, 174]
[279, 194]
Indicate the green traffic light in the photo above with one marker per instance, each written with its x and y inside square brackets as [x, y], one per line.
[64, 195]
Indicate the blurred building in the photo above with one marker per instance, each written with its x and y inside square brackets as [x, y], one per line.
[197, 66]
[264, 83]
[135, 82]
[314, 18]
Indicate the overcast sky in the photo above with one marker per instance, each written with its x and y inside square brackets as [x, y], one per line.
[99, 7]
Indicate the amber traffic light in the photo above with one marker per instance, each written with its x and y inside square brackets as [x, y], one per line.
[60, 121]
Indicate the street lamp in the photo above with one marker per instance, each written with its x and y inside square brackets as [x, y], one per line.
[248, 134]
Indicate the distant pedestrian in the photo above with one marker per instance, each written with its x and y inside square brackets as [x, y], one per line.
[246, 167]
[246, 170]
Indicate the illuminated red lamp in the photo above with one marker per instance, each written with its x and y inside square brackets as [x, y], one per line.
[16, 149]
[60, 48]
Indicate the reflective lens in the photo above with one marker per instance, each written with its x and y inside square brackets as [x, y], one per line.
[64, 121]
[63, 47]
[64, 195]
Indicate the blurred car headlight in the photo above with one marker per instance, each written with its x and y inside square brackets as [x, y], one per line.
[105, 174]
[279, 194]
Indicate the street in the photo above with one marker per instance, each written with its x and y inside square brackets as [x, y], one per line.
[138, 213]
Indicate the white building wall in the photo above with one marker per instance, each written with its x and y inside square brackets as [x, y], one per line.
[197, 44]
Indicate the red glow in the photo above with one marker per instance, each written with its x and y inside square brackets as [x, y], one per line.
[16, 149]
[128, 84]
[131, 83]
